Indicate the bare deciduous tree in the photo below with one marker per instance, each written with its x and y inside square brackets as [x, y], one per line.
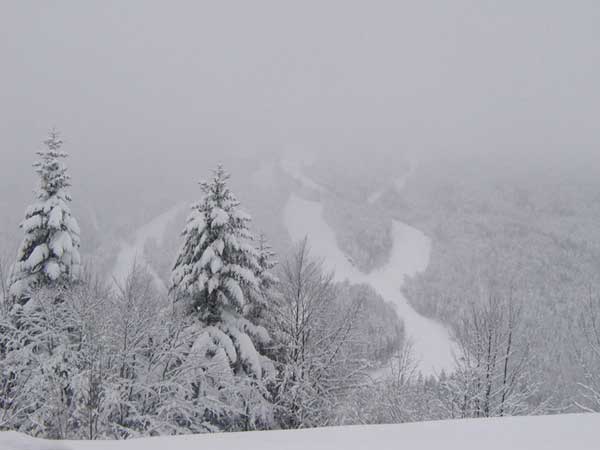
[586, 350]
[493, 374]
[314, 328]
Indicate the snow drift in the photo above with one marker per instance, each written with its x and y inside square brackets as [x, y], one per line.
[560, 432]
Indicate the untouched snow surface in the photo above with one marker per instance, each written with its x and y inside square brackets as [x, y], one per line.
[560, 432]
[431, 342]
[132, 253]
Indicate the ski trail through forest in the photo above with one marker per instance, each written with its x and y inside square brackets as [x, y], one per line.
[432, 346]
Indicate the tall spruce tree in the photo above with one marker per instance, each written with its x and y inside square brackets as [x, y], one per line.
[267, 262]
[49, 252]
[217, 262]
[266, 259]
[216, 276]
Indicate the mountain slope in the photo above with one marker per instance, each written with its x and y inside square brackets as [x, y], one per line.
[410, 254]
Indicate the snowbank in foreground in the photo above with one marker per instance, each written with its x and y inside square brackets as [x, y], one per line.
[564, 432]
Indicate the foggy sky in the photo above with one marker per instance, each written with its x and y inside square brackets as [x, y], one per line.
[150, 92]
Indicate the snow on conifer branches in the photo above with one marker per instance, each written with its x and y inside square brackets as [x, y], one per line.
[266, 261]
[217, 264]
[219, 276]
[49, 251]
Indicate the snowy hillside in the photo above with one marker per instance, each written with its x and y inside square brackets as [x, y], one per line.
[430, 340]
[561, 432]
[133, 253]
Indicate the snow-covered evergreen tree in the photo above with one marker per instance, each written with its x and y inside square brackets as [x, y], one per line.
[217, 261]
[266, 262]
[216, 275]
[49, 252]
[255, 310]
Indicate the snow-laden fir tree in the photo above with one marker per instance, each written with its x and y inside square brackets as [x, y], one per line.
[217, 261]
[49, 252]
[266, 263]
[266, 259]
[216, 274]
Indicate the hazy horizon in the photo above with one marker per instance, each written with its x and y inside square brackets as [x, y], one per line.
[150, 97]
[144, 83]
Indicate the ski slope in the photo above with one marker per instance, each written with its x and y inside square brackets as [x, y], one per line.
[560, 432]
[133, 253]
[432, 346]
[430, 340]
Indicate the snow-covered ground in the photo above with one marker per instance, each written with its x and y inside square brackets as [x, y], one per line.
[133, 253]
[560, 432]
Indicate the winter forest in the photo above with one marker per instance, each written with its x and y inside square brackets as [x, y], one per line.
[242, 339]
[290, 218]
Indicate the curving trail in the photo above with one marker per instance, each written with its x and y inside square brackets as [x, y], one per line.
[432, 345]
